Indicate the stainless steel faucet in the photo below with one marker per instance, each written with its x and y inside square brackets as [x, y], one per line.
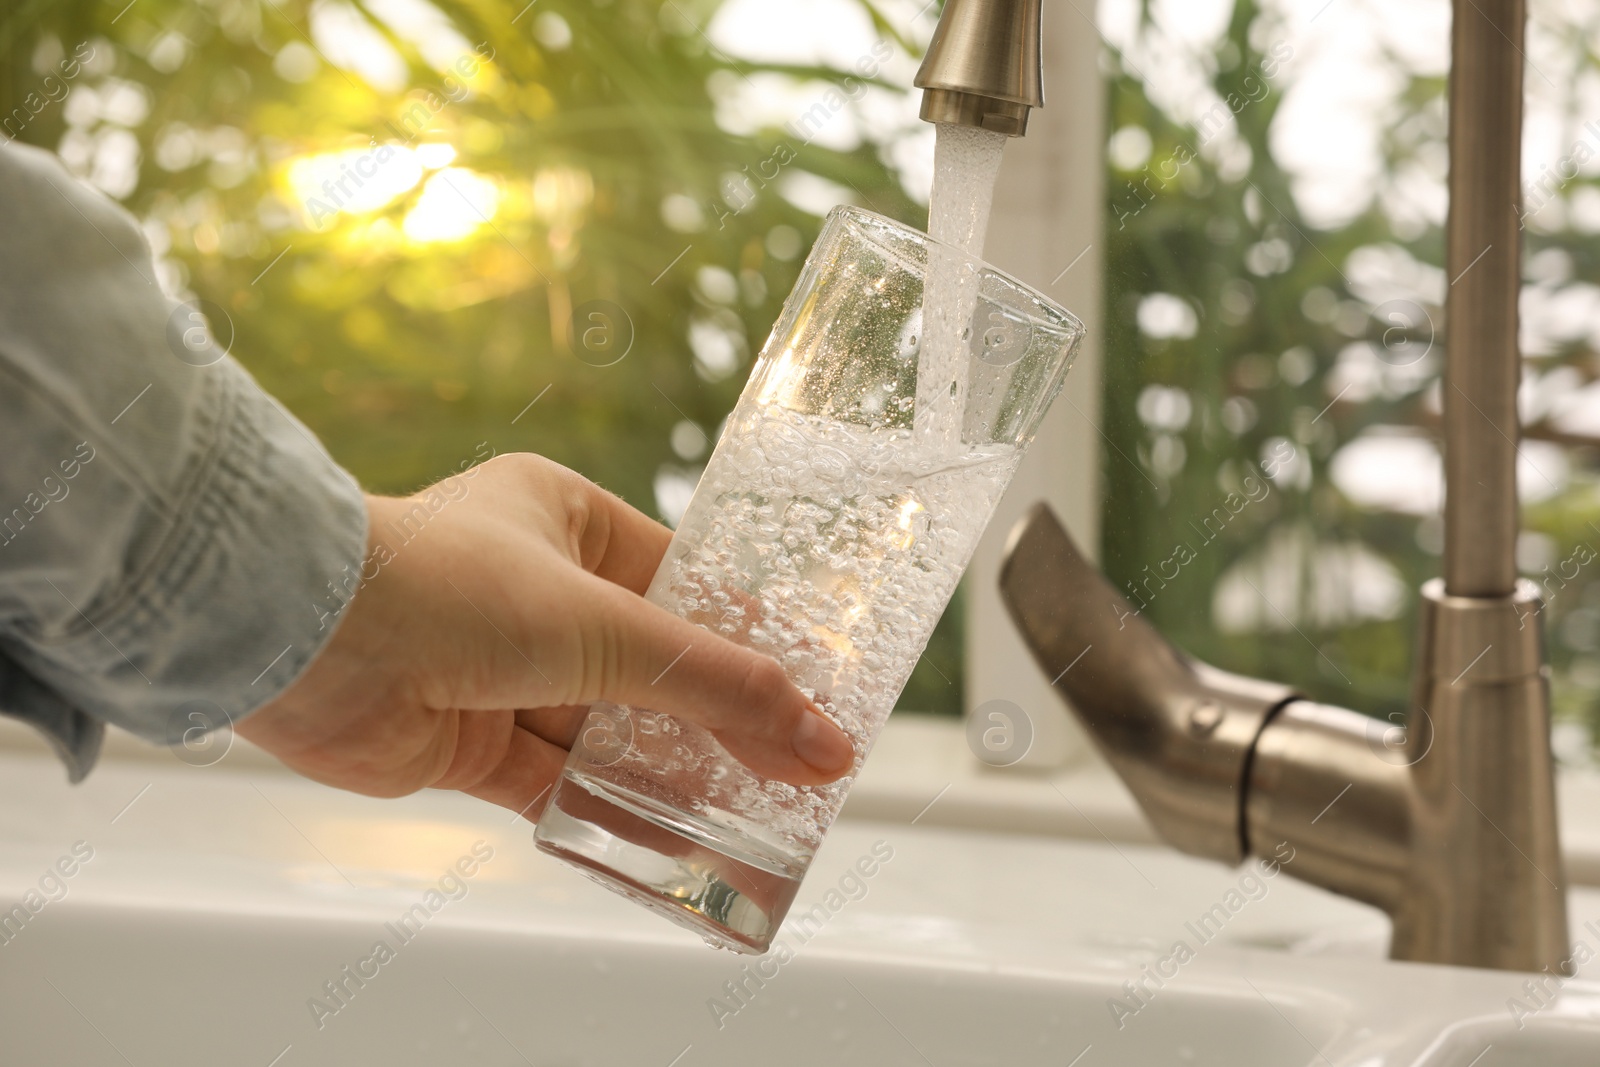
[982, 67]
[1449, 823]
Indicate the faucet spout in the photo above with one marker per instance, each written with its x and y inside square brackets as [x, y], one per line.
[983, 65]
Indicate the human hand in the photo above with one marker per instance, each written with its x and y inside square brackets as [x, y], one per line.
[468, 660]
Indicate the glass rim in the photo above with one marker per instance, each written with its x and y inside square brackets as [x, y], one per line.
[847, 213]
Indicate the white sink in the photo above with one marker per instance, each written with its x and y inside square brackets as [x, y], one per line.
[220, 902]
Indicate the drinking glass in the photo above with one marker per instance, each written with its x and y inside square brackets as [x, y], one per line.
[843, 501]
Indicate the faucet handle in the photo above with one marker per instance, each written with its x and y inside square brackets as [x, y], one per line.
[1179, 732]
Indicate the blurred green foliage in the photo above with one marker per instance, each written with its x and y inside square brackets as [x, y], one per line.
[1192, 237]
[1228, 316]
[622, 220]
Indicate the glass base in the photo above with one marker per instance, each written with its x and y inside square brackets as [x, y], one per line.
[657, 857]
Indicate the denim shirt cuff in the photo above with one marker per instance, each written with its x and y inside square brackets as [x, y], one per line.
[75, 736]
[238, 599]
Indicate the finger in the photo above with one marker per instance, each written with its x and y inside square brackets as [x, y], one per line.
[559, 726]
[618, 542]
[522, 780]
[653, 659]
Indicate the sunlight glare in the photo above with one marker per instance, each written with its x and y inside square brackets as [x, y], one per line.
[354, 180]
[434, 156]
[454, 203]
[560, 194]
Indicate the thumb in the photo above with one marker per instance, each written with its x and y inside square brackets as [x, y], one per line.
[656, 660]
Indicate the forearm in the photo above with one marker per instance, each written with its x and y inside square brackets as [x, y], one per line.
[168, 534]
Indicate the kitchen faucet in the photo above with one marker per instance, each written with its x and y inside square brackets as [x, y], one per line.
[982, 67]
[1449, 823]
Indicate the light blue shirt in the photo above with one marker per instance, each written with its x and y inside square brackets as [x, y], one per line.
[168, 532]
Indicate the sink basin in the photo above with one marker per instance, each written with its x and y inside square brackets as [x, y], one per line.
[1496, 1044]
[236, 917]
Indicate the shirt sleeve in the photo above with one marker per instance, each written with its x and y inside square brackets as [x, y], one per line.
[175, 547]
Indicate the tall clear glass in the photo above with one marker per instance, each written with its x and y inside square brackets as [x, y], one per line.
[838, 511]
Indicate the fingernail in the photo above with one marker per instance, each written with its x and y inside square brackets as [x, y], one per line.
[822, 744]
